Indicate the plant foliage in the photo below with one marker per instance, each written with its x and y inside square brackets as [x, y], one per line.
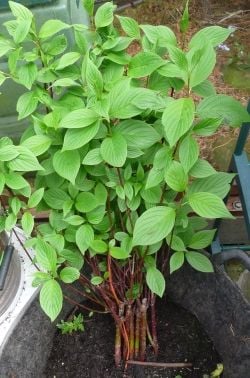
[112, 145]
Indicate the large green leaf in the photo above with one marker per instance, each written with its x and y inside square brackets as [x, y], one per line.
[69, 274]
[155, 281]
[26, 104]
[52, 27]
[138, 133]
[79, 118]
[51, 299]
[188, 153]
[104, 15]
[176, 177]
[15, 181]
[84, 237]
[214, 34]
[218, 183]
[27, 74]
[153, 225]
[199, 262]
[222, 106]
[45, 255]
[8, 152]
[201, 65]
[55, 198]
[67, 60]
[27, 223]
[207, 127]
[120, 99]
[159, 35]
[177, 119]
[144, 63]
[176, 261]
[35, 198]
[201, 239]
[67, 164]
[94, 78]
[20, 11]
[76, 138]
[86, 202]
[202, 168]
[130, 27]
[114, 150]
[38, 144]
[25, 161]
[208, 205]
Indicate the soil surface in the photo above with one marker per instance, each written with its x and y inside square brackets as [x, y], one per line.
[89, 354]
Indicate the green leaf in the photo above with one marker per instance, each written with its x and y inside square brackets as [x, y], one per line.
[55, 240]
[15, 181]
[84, 237]
[155, 177]
[202, 65]
[66, 82]
[69, 274]
[40, 278]
[76, 138]
[51, 27]
[176, 261]
[27, 74]
[96, 280]
[93, 157]
[138, 133]
[176, 243]
[35, 198]
[202, 239]
[79, 118]
[89, 6]
[67, 60]
[184, 22]
[218, 183]
[99, 246]
[222, 106]
[176, 177]
[178, 57]
[159, 35]
[208, 205]
[114, 150]
[199, 262]
[74, 220]
[177, 119]
[144, 63]
[85, 202]
[26, 104]
[15, 205]
[73, 258]
[155, 281]
[118, 253]
[38, 144]
[67, 164]
[51, 299]
[188, 153]
[153, 225]
[214, 34]
[27, 223]
[10, 221]
[204, 89]
[130, 27]
[120, 99]
[94, 78]
[104, 15]
[25, 161]
[8, 153]
[2, 182]
[45, 255]
[202, 168]
[55, 198]
[20, 12]
[207, 127]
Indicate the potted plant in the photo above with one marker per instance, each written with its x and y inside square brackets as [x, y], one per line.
[113, 152]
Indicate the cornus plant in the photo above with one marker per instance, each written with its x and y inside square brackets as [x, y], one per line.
[111, 142]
